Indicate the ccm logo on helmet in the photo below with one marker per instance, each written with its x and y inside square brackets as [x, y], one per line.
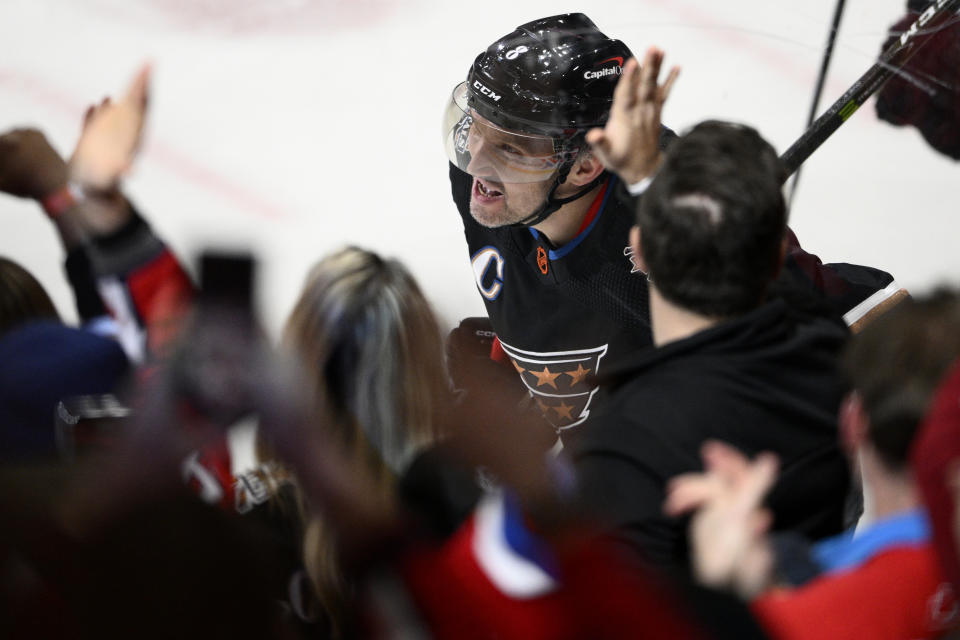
[602, 73]
[486, 91]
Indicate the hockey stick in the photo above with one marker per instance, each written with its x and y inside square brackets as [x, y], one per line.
[891, 61]
[821, 80]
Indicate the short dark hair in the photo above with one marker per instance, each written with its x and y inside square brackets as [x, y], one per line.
[895, 365]
[22, 298]
[713, 220]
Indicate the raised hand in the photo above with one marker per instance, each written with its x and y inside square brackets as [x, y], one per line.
[111, 137]
[629, 143]
[29, 166]
[727, 532]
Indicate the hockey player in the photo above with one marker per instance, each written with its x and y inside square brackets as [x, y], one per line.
[546, 219]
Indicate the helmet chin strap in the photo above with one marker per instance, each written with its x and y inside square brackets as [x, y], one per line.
[551, 205]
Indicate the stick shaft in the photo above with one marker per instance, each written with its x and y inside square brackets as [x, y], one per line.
[821, 80]
[825, 63]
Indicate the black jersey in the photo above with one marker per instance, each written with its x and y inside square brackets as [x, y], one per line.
[563, 314]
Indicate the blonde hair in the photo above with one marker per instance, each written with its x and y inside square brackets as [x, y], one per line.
[370, 346]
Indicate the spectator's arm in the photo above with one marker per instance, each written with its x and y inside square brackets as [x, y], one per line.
[856, 293]
[142, 285]
[115, 264]
[31, 168]
[629, 143]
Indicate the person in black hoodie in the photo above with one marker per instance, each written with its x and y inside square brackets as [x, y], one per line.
[732, 359]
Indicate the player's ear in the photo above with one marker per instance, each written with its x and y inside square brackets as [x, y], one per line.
[635, 236]
[854, 423]
[585, 169]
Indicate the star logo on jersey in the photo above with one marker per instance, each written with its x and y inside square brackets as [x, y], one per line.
[559, 381]
[576, 377]
[546, 377]
[563, 410]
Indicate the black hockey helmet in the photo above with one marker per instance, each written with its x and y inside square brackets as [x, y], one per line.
[552, 76]
[536, 92]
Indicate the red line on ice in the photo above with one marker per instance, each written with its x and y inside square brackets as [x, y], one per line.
[164, 155]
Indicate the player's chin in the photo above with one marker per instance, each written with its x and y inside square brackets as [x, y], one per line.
[490, 212]
[488, 216]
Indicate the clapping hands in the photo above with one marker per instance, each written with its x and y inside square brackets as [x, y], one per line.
[729, 547]
[111, 136]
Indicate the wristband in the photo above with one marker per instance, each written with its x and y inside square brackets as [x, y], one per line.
[638, 188]
[61, 200]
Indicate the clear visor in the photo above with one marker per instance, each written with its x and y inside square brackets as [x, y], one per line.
[484, 150]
